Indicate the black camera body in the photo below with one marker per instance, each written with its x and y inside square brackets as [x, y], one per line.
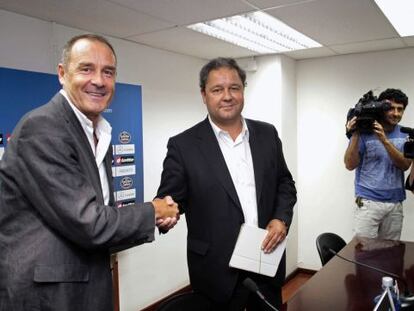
[408, 145]
[367, 110]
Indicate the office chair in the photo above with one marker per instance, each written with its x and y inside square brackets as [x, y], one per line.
[328, 240]
[186, 302]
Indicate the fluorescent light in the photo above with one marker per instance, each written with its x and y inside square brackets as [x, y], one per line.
[400, 13]
[256, 31]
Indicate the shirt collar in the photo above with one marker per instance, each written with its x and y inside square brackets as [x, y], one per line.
[219, 132]
[102, 125]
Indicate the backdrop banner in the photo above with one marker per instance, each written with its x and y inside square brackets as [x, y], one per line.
[22, 91]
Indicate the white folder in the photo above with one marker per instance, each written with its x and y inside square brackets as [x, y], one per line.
[248, 254]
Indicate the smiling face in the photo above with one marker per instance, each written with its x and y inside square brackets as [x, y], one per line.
[393, 116]
[89, 77]
[223, 96]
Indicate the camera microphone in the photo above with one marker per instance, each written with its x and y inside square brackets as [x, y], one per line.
[406, 130]
[407, 298]
[409, 144]
[252, 286]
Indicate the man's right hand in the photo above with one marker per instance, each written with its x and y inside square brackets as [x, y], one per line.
[351, 157]
[351, 125]
[165, 208]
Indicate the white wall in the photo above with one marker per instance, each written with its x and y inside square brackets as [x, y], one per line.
[289, 140]
[326, 89]
[307, 101]
[271, 97]
[171, 103]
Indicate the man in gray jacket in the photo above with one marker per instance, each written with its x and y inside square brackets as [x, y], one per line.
[58, 221]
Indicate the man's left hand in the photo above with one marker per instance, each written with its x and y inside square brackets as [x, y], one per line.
[379, 130]
[276, 233]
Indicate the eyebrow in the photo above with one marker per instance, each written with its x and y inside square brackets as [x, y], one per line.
[110, 67]
[230, 85]
[82, 64]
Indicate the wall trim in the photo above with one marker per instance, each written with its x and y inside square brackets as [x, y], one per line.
[186, 289]
[155, 305]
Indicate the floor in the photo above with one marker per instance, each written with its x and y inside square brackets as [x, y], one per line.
[294, 284]
[288, 290]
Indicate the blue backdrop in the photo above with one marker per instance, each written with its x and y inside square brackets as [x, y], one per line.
[22, 91]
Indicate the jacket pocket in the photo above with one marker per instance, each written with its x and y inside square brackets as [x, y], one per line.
[197, 246]
[61, 273]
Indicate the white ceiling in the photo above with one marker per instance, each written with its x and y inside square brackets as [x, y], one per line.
[341, 26]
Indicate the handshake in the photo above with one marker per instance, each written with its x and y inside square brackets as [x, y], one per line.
[166, 213]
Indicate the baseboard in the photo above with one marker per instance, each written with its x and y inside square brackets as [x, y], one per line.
[156, 304]
[187, 288]
[298, 271]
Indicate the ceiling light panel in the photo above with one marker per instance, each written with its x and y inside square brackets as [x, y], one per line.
[256, 31]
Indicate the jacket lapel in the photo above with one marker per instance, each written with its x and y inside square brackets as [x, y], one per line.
[211, 151]
[255, 148]
[76, 130]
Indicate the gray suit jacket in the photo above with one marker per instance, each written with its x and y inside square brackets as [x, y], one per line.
[55, 231]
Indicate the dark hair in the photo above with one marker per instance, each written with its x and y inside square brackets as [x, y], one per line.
[91, 37]
[395, 95]
[218, 63]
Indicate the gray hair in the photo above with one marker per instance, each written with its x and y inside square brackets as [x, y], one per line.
[91, 37]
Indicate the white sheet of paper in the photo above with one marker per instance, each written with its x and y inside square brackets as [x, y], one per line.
[248, 255]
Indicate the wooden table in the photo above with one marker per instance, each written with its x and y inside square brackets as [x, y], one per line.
[341, 285]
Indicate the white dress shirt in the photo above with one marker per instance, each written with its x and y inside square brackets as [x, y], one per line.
[103, 133]
[239, 162]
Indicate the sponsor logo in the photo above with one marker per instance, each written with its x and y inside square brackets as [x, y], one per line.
[124, 149]
[125, 203]
[124, 137]
[1, 139]
[124, 160]
[119, 171]
[126, 182]
[125, 195]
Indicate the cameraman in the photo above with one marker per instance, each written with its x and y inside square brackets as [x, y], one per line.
[380, 164]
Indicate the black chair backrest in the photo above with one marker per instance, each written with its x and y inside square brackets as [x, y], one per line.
[186, 302]
[326, 241]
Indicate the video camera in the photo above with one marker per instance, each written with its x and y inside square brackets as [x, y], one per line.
[367, 110]
[409, 144]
